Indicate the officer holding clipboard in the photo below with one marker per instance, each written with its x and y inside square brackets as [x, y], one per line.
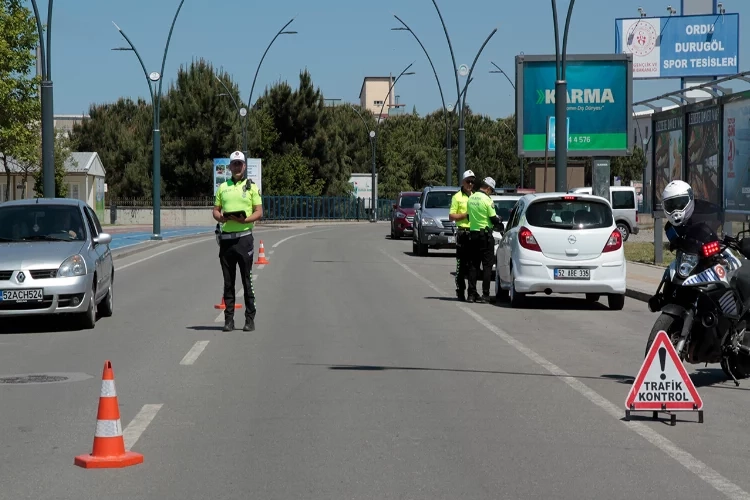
[237, 207]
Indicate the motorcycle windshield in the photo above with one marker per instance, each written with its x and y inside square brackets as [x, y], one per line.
[697, 235]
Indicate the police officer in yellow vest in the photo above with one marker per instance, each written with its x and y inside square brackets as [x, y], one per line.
[482, 220]
[458, 214]
[237, 207]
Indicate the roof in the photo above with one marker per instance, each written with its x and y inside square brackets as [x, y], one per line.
[362, 89]
[45, 201]
[441, 188]
[77, 163]
[549, 196]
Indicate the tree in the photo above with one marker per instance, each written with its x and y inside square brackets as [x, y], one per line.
[20, 107]
[289, 174]
[63, 148]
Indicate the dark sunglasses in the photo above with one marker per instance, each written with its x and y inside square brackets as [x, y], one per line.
[469, 181]
[236, 164]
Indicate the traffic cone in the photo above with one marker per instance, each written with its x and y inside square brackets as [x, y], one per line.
[223, 305]
[262, 255]
[109, 444]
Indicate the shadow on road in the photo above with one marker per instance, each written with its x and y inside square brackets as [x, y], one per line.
[432, 254]
[206, 328]
[715, 379]
[558, 303]
[52, 324]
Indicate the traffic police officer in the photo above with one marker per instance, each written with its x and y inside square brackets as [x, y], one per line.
[482, 220]
[458, 214]
[237, 207]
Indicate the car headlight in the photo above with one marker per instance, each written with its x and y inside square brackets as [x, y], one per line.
[73, 266]
[686, 264]
[400, 215]
[428, 221]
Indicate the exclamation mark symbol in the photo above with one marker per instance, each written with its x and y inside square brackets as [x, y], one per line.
[662, 361]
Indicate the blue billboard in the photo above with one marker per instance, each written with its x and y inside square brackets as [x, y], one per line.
[680, 46]
[599, 103]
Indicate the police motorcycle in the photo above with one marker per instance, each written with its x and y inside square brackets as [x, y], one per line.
[704, 299]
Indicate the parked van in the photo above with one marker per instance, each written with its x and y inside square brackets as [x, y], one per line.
[624, 201]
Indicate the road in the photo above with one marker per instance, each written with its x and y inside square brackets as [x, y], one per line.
[363, 380]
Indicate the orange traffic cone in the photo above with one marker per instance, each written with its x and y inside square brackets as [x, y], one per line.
[109, 444]
[262, 255]
[223, 305]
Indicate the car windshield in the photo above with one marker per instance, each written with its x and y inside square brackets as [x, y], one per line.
[438, 199]
[503, 208]
[408, 201]
[41, 223]
[565, 214]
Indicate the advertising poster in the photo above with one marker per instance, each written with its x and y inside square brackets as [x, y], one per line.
[703, 154]
[99, 192]
[668, 148]
[680, 46]
[598, 104]
[362, 188]
[737, 157]
[223, 174]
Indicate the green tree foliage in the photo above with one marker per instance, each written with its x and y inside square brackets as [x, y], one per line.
[63, 147]
[307, 147]
[20, 108]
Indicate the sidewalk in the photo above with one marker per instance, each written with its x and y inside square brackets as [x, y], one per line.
[642, 281]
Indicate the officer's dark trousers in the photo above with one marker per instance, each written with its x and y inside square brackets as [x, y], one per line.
[463, 260]
[482, 246]
[234, 253]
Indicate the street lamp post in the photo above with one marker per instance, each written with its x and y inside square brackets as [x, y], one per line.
[561, 101]
[242, 112]
[48, 114]
[152, 78]
[500, 70]
[448, 152]
[252, 88]
[374, 139]
[371, 136]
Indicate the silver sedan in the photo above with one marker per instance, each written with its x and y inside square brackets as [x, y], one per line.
[54, 259]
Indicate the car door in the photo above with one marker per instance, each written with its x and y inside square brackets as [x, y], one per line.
[418, 218]
[95, 252]
[504, 249]
[107, 263]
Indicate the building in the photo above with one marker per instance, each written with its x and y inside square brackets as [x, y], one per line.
[64, 123]
[373, 94]
[84, 179]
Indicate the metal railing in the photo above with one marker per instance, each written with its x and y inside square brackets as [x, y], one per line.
[279, 207]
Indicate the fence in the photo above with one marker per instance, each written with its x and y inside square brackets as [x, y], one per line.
[189, 211]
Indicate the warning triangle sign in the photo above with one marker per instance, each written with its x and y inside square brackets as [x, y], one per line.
[662, 382]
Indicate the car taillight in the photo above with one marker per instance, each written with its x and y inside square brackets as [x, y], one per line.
[710, 249]
[570, 197]
[636, 216]
[527, 240]
[614, 242]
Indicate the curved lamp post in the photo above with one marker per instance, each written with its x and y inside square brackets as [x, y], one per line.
[448, 153]
[374, 139]
[242, 112]
[371, 136]
[152, 78]
[252, 88]
[561, 100]
[48, 117]
[500, 70]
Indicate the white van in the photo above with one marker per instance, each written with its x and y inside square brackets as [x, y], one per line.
[624, 201]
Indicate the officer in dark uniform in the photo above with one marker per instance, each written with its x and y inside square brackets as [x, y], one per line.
[482, 220]
[237, 207]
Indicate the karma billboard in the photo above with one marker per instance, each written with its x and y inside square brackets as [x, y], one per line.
[680, 46]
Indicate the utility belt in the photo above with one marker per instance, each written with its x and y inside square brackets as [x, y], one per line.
[481, 233]
[230, 236]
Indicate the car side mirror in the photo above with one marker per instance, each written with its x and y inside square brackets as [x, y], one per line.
[500, 218]
[417, 206]
[103, 239]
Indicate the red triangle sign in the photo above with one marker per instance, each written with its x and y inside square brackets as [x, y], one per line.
[662, 382]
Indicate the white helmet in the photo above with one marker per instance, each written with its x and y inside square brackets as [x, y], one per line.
[678, 202]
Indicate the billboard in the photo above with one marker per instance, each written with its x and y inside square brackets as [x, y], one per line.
[737, 157]
[223, 174]
[680, 46]
[668, 129]
[703, 153]
[362, 187]
[600, 93]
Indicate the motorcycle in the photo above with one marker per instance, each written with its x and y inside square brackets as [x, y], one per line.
[704, 300]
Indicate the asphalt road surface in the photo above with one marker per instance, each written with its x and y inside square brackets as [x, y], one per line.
[363, 380]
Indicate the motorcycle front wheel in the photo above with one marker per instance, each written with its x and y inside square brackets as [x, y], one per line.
[670, 324]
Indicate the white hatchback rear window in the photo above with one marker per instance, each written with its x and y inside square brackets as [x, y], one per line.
[569, 214]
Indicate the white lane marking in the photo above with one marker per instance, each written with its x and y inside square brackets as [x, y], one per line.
[261, 266]
[120, 268]
[194, 352]
[138, 425]
[691, 463]
[270, 252]
[300, 234]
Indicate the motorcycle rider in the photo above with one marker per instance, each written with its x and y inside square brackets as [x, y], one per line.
[678, 203]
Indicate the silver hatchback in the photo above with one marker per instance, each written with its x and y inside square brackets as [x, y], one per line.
[54, 259]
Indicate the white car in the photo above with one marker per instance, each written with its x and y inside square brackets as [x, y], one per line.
[503, 205]
[561, 243]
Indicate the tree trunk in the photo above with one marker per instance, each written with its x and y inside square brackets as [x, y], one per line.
[7, 178]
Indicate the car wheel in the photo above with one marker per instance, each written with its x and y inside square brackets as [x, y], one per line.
[616, 301]
[500, 294]
[517, 300]
[414, 247]
[624, 231]
[88, 318]
[395, 235]
[107, 306]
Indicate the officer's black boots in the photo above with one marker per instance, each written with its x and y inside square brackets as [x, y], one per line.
[249, 325]
[460, 295]
[228, 324]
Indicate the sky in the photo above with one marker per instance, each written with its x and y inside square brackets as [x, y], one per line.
[339, 42]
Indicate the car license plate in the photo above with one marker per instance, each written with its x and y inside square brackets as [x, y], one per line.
[451, 239]
[33, 295]
[572, 274]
